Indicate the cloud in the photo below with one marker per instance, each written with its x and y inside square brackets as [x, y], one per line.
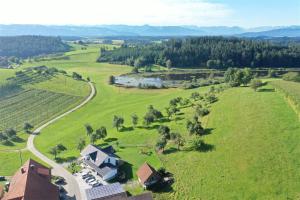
[133, 12]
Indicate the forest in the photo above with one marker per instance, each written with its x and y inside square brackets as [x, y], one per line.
[28, 46]
[207, 52]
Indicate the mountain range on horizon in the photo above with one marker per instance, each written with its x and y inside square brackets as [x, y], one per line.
[147, 30]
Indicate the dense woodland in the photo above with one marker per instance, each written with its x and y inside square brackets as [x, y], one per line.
[203, 52]
[28, 46]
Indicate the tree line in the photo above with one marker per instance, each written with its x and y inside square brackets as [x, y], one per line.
[28, 46]
[206, 52]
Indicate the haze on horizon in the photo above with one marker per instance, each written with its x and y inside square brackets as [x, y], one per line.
[242, 13]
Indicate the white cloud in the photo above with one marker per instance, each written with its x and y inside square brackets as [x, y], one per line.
[134, 12]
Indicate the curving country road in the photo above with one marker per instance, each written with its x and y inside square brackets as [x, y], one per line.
[71, 187]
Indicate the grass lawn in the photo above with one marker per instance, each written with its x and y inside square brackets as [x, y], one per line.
[254, 135]
[256, 140]
[11, 161]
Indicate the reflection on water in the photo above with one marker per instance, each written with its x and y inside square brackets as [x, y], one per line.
[138, 82]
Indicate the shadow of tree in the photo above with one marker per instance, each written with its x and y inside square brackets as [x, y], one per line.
[125, 129]
[266, 90]
[18, 139]
[170, 150]
[208, 131]
[111, 139]
[152, 127]
[7, 143]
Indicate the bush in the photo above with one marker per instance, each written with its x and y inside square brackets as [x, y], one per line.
[292, 76]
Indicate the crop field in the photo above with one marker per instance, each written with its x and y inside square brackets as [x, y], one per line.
[33, 106]
[254, 136]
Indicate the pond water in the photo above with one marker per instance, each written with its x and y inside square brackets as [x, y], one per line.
[136, 82]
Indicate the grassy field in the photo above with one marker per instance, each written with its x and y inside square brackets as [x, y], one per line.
[254, 136]
[291, 91]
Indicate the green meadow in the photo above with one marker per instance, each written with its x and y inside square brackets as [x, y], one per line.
[254, 136]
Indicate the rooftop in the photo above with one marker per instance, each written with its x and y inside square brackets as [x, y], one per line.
[115, 191]
[32, 182]
[145, 172]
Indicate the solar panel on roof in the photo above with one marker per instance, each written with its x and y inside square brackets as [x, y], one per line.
[104, 191]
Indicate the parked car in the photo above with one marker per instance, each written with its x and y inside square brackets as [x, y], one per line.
[2, 178]
[87, 176]
[93, 182]
[90, 180]
[96, 184]
[60, 181]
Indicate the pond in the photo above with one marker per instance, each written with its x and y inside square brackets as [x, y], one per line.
[138, 82]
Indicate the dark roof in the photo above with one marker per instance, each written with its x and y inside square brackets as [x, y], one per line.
[145, 196]
[101, 170]
[32, 182]
[97, 154]
[114, 190]
[145, 172]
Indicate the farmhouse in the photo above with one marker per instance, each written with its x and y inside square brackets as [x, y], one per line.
[32, 182]
[113, 192]
[103, 161]
[147, 175]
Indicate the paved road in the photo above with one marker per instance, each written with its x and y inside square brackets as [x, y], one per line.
[72, 186]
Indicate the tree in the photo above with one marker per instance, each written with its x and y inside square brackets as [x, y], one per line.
[89, 129]
[111, 80]
[161, 144]
[81, 144]
[148, 119]
[178, 140]
[164, 131]
[101, 132]
[197, 144]
[118, 122]
[169, 64]
[11, 133]
[255, 84]
[76, 76]
[195, 127]
[93, 138]
[134, 119]
[53, 151]
[195, 96]
[27, 127]
[57, 149]
[247, 76]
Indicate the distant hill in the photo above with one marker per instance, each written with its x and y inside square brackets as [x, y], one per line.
[27, 46]
[146, 30]
[293, 31]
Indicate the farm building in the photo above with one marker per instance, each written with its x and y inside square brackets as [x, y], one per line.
[103, 161]
[147, 175]
[32, 182]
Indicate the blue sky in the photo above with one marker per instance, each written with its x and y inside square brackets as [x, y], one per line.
[245, 13]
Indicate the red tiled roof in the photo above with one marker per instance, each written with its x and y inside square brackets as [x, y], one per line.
[32, 182]
[1, 191]
[145, 172]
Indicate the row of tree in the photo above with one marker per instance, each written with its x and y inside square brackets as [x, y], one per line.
[203, 52]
